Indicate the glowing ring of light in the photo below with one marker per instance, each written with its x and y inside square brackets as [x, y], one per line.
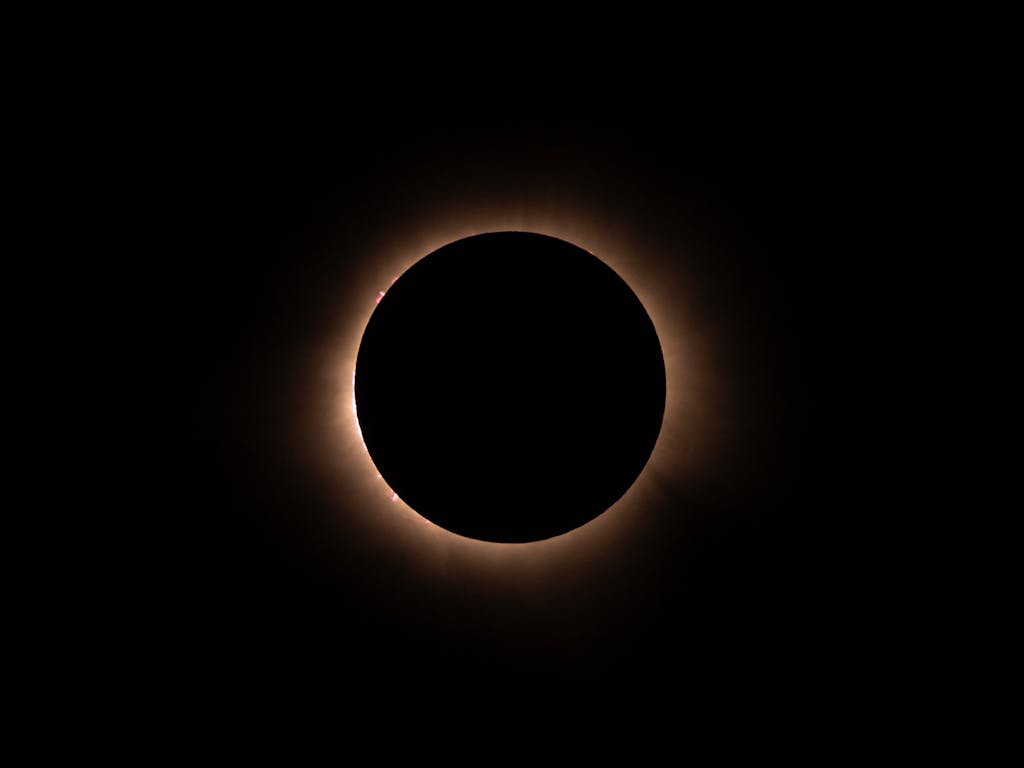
[685, 443]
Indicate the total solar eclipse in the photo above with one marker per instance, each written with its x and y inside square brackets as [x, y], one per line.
[510, 387]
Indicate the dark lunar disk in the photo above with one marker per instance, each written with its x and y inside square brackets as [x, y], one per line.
[510, 387]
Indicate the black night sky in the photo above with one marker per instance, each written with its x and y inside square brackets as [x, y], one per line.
[232, 171]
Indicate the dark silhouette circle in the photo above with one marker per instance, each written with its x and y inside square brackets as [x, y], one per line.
[510, 387]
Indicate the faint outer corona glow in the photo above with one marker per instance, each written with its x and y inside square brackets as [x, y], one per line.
[373, 510]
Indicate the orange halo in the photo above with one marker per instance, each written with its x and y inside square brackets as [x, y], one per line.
[682, 448]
